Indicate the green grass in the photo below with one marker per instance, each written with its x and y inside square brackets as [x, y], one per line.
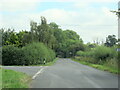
[51, 63]
[97, 66]
[0, 78]
[13, 79]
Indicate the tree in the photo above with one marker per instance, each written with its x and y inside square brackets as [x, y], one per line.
[9, 37]
[61, 41]
[72, 35]
[33, 27]
[110, 40]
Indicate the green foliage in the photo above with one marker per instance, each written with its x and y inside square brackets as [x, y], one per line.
[10, 37]
[113, 63]
[70, 47]
[36, 53]
[12, 55]
[98, 66]
[104, 53]
[85, 53]
[111, 40]
[71, 35]
[13, 79]
[70, 44]
[98, 55]
[64, 42]
[32, 54]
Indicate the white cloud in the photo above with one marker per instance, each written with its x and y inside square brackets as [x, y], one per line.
[88, 23]
[17, 22]
[81, 4]
[17, 5]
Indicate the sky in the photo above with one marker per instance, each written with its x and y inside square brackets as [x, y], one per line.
[91, 19]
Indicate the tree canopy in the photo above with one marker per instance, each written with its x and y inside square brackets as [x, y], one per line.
[63, 42]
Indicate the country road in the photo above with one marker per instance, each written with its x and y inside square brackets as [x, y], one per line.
[66, 73]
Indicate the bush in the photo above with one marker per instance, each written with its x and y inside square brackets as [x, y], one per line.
[12, 55]
[103, 53]
[99, 55]
[36, 53]
[32, 54]
[0, 55]
[112, 63]
[85, 53]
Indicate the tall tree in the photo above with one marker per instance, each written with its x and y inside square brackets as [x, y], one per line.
[110, 40]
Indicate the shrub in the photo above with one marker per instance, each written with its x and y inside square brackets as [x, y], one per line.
[112, 63]
[31, 54]
[0, 55]
[85, 53]
[103, 53]
[12, 55]
[36, 53]
[99, 54]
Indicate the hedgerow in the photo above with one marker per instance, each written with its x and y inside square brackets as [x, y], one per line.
[31, 54]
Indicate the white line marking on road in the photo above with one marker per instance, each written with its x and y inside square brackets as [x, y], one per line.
[95, 85]
[40, 71]
[91, 82]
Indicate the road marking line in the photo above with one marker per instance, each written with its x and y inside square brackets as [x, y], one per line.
[40, 71]
[91, 82]
[95, 85]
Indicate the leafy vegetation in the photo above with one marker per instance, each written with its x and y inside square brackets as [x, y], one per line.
[31, 54]
[103, 53]
[46, 41]
[98, 66]
[110, 40]
[100, 57]
[13, 79]
[37, 53]
[42, 43]
[0, 78]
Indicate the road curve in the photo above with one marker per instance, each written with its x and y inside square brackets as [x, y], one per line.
[69, 74]
[66, 73]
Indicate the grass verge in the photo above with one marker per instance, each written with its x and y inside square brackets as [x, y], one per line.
[0, 78]
[97, 66]
[13, 79]
[51, 63]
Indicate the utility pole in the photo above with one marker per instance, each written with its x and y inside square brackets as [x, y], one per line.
[118, 14]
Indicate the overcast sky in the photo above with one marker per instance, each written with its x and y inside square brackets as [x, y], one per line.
[90, 19]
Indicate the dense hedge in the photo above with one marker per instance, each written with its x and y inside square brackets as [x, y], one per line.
[85, 53]
[36, 53]
[104, 53]
[12, 55]
[31, 54]
[99, 54]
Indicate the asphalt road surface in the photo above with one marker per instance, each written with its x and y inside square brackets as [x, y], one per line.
[66, 73]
